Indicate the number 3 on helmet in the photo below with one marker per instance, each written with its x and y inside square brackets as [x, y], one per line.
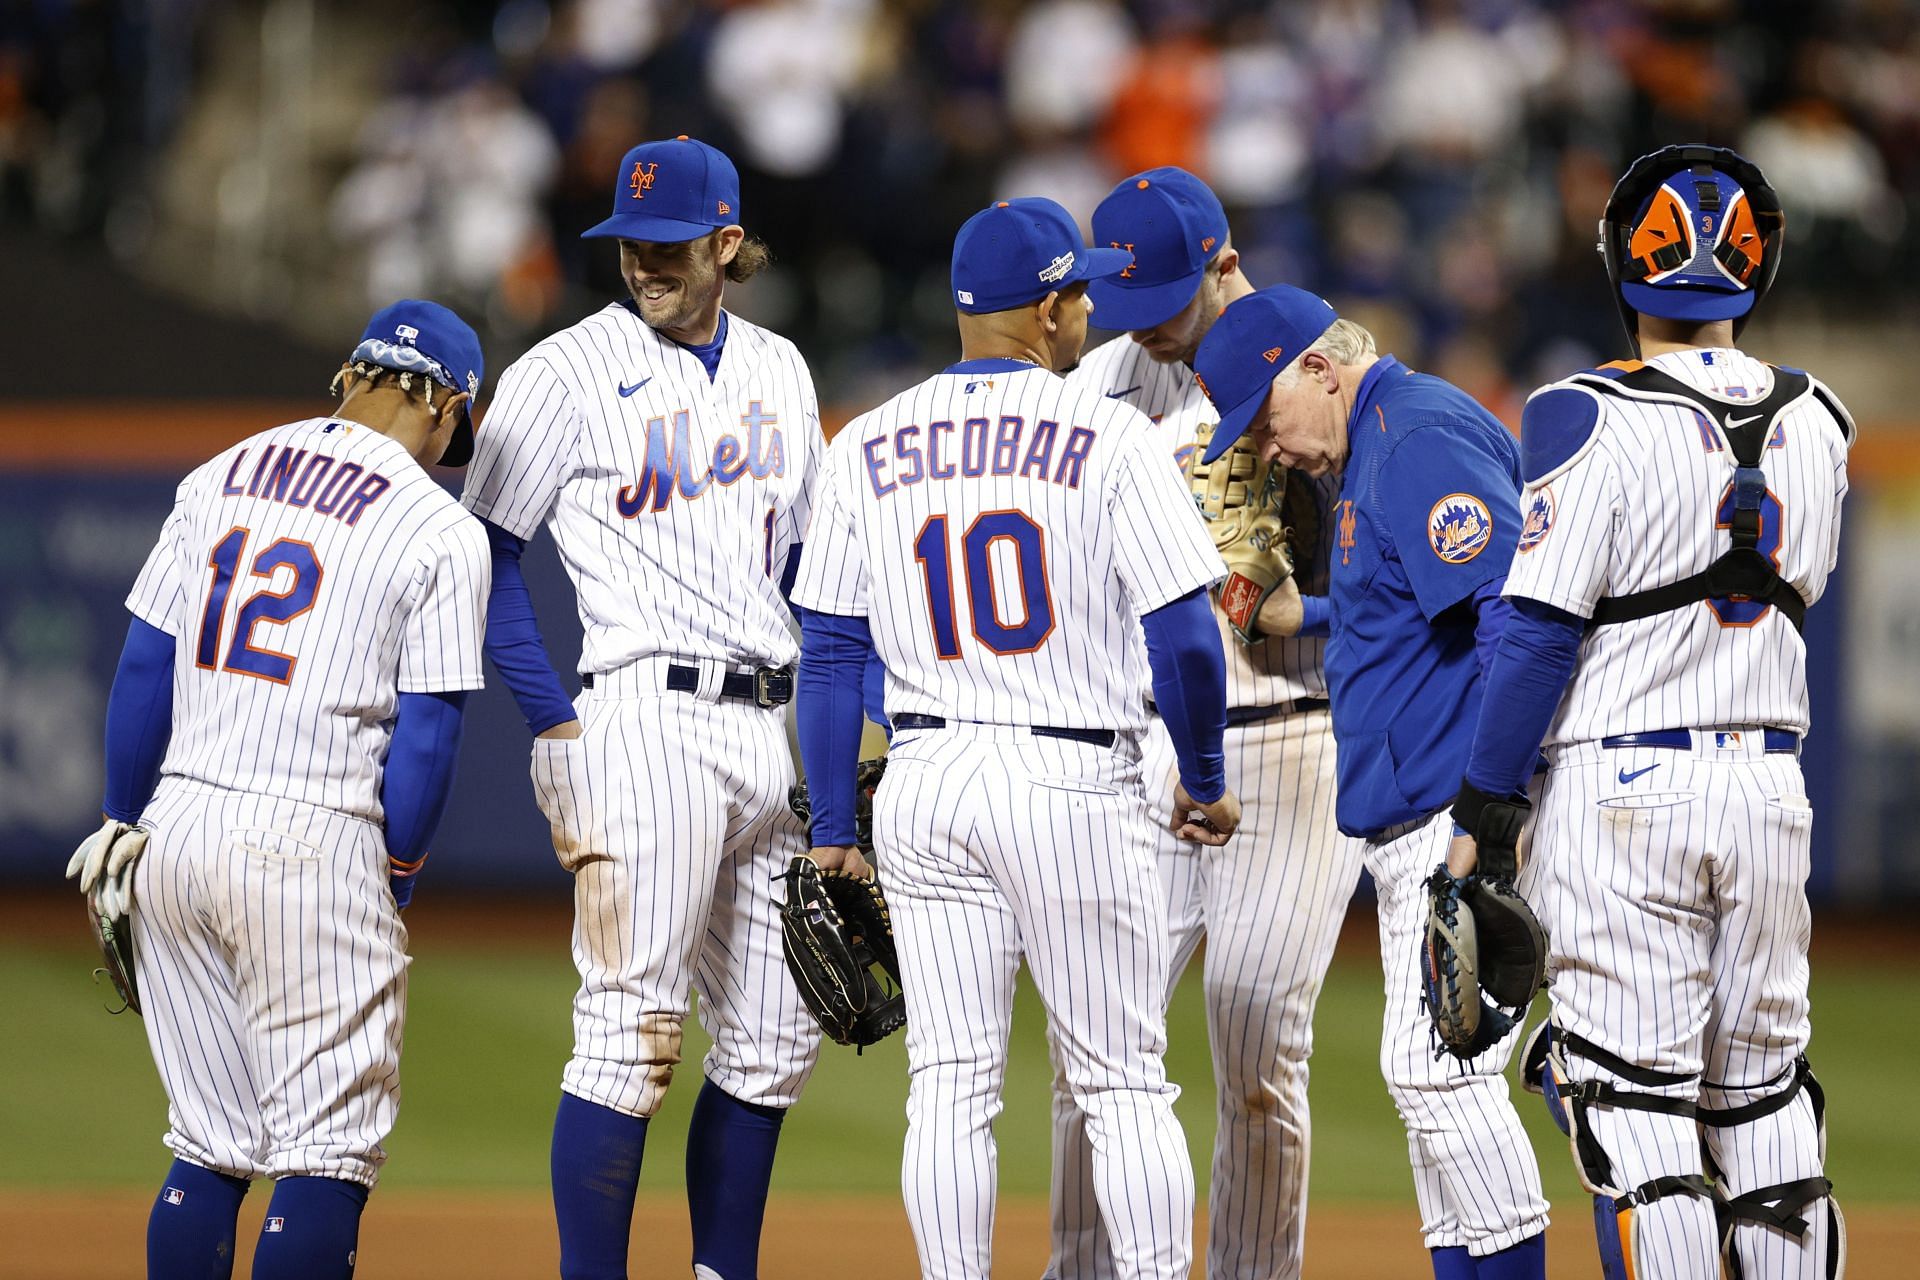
[1691, 233]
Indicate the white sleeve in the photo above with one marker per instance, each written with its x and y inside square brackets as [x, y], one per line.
[791, 528]
[440, 647]
[524, 449]
[1567, 535]
[159, 595]
[833, 576]
[1163, 549]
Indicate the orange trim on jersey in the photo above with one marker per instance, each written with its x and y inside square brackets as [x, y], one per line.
[1625, 366]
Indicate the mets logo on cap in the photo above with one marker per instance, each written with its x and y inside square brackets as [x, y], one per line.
[1459, 527]
[1538, 520]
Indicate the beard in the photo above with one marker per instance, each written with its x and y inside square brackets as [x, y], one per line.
[674, 301]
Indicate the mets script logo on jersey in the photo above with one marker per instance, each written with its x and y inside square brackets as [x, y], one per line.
[641, 180]
[1539, 519]
[671, 465]
[1346, 531]
[1459, 527]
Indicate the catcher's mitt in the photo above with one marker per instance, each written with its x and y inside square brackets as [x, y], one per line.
[866, 778]
[834, 929]
[1485, 954]
[1240, 496]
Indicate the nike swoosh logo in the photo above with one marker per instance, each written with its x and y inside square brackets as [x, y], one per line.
[1125, 391]
[627, 391]
[1637, 773]
[1741, 422]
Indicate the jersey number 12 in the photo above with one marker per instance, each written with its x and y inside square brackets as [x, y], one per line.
[264, 605]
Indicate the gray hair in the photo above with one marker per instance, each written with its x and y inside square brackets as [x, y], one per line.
[1344, 342]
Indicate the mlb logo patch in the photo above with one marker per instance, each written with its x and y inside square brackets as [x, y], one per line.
[1459, 527]
[1727, 741]
[173, 1195]
[275, 1225]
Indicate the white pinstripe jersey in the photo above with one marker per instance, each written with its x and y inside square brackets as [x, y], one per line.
[1275, 670]
[309, 575]
[674, 500]
[1638, 507]
[1003, 531]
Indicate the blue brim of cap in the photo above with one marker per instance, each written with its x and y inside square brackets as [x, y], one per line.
[1234, 423]
[1119, 305]
[1677, 302]
[1097, 264]
[647, 228]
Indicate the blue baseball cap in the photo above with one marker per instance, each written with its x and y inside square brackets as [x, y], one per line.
[1254, 339]
[671, 192]
[1018, 251]
[414, 336]
[1172, 224]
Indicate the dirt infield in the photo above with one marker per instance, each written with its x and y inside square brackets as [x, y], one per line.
[441, 1236]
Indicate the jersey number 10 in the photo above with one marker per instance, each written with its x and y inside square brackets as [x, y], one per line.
[999, 635]
[264, 605]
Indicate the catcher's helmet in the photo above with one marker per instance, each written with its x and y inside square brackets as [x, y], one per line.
[1691, 233]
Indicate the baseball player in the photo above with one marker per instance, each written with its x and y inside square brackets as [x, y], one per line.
[282, 727]
[671, 448]
[1682, 513]
[1425, 522]
[1288, 861]
[998, 536]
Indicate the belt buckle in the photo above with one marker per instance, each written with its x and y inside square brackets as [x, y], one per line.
[772, 686]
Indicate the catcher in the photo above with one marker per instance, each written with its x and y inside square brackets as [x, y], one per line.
[1425, 526]
[835, 930]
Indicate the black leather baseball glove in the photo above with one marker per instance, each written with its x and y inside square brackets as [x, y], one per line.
[1485, 953]
[835, 931]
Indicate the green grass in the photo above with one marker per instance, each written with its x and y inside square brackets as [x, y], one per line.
[80, 1104]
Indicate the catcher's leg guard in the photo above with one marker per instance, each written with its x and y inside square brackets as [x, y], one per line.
[1776, 1124]
[1571, 1102]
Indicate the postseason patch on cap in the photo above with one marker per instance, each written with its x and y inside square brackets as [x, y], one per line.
[1459, 527]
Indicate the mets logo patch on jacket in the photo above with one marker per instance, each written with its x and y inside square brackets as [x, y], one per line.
[1459, 527]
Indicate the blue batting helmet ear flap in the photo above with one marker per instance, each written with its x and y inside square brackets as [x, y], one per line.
[1691, 233]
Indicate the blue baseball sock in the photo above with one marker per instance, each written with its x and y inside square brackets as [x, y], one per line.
[1524, 1261]
[596, 1171]
[730, 1146]
[1452, 1263]
[312, 1231]
[191, 1229]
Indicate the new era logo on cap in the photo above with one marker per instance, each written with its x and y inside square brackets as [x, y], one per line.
[1272, 355]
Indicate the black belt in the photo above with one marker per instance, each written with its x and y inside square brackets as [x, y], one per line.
[763, 686]
[1092, 737]
[1778, 741]
[1237, 716]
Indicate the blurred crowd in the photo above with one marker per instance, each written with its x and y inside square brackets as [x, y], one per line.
[1435, 167]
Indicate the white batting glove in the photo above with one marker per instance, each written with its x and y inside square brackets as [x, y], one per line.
[104, 864]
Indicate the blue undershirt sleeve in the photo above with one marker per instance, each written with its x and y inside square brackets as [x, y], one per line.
[1316, 616]
[139, 720]
[836, 652]
[418, 778]
[1529, 675]
[1190, 689]
[513, 638]
[1492, 613]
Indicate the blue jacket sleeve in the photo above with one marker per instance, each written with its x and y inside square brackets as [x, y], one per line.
[417, 779]
[139, 720]
[836, 652]
[513, 638]
[1530, 671]
[1190, 689]
[1316, 616]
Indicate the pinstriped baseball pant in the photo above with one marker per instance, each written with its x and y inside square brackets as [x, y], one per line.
[671, 812]
[1676, 902]
[1261, 980]
[994, 845]
[1474, 1171]
[272, 967]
